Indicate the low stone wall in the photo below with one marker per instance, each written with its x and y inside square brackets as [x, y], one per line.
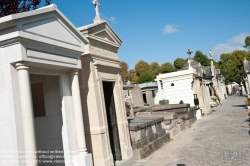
[147, 135]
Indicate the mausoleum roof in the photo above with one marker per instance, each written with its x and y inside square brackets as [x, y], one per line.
[148, 85]
[101, 31]
[14, 20]
[193, 64]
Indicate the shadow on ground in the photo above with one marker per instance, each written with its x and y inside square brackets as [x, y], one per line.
[241, 105]
[180, 165]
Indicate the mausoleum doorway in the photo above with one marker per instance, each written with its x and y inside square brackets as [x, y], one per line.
[108, 88]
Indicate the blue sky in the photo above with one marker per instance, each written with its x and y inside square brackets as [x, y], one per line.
[162, 30]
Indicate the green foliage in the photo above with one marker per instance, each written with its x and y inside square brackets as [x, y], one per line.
[124, 71]
[167, 67]
[146, 77]
[203, 59]
[247, 42]
[141, 66]
[179, 63]
[224, 58]
[133, 76]
[231, 65]
[155, 68]
[8, 7]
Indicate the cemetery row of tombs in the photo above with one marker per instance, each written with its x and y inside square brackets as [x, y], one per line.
[60, 91]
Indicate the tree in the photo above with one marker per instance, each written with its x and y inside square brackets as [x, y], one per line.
[200, 57]
[145, 77]
[155, 68]
[232, 65]
[247, 42]
[179, 63]
[124, 71]
[224, 58]
[8, 7]
[167, 67]
[141, 66]
[133, 76]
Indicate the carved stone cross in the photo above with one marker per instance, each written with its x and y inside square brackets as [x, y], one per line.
[189, 52]
[97, 5]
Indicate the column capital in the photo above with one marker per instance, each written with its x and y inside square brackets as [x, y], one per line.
[22, 66]
[73, 72]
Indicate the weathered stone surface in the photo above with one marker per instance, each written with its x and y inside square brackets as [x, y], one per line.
[137, 97]
[169, 107]
[146, 134]
[166, 115]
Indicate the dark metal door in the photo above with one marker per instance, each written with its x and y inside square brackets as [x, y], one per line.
[112, 120]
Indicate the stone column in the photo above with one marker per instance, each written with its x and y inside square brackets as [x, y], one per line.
[29, 136]
[75, 88]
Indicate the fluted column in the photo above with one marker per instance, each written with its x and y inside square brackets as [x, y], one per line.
[27, 113]
[81, 143]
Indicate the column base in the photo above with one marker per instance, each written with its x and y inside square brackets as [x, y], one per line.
[83, 160]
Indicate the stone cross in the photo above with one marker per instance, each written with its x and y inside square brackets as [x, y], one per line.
[189, 52]
[98, 17]
[97, 5]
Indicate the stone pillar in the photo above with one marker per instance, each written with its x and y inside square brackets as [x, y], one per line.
[82, 158]
[29, 136]
[81, 143]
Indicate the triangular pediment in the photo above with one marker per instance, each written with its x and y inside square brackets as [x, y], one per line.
[45, 25]
[104, 35]
[101, 31]
[52, 28]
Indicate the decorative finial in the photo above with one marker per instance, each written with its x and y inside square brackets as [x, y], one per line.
[189, 52]
[210, 54]
[98, 17]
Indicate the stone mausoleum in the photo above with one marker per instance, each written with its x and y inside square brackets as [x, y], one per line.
[104, 113]
[60, 92]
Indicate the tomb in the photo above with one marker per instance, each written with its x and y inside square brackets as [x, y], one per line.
[147, 135]
[149, 91]
[193, 84]
[104, 114]
[172, 124]
[41, 110]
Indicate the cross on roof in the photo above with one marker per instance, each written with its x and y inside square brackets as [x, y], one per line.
[98, 17]
[97, 5]
[189, 52]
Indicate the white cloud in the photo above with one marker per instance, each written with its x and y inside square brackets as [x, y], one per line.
[111, 18]
[235, 43]
[168, 29]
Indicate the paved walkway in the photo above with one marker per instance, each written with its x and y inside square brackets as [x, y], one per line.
[221, 138]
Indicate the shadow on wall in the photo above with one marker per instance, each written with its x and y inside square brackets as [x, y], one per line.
[180, 165]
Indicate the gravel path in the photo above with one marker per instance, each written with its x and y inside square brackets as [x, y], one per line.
[221, 138]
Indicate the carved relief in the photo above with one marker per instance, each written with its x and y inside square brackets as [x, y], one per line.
[103, 50]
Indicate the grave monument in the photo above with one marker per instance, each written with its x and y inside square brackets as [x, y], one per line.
[104, 113]
[41, 110]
